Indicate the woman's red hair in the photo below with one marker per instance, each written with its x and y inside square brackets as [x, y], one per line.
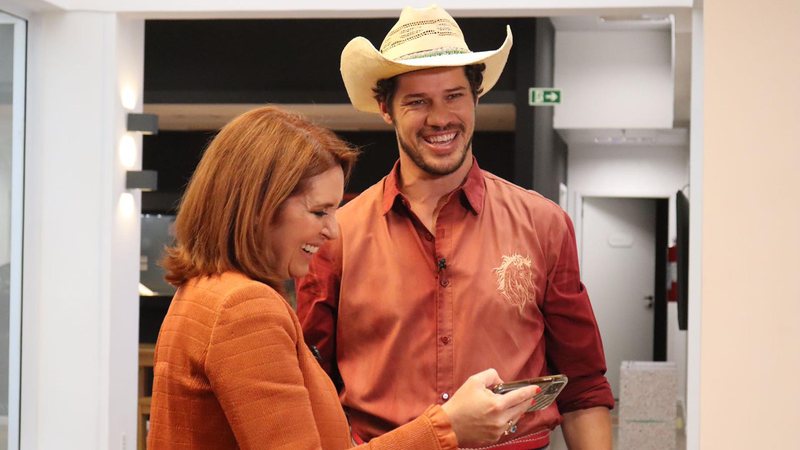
[250, 168]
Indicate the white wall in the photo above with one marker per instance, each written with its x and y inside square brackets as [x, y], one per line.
[80, 321]
[614, 79]
[693, 357]
[629, 171]
[633, 171]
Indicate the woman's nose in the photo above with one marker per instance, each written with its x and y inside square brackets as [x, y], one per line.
[331, 228]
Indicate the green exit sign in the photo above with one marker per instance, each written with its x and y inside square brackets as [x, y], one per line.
[544, 96]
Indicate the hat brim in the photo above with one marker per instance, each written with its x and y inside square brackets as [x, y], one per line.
[362, 65]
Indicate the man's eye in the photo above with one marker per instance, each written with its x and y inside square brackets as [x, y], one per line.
[415, 103]
[455, 96]
[320, 213]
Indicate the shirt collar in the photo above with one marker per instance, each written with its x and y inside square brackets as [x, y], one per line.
[473, 189]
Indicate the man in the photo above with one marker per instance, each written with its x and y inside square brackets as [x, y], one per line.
[443, 269]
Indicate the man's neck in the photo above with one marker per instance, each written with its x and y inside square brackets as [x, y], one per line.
[425, 192]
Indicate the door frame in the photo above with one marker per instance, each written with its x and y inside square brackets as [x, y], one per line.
[661, 241]
[18, 116]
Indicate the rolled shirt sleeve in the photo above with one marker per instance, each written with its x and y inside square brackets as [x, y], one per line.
[572, 338]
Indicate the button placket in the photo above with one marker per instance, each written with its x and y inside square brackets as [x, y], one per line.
[442, 251]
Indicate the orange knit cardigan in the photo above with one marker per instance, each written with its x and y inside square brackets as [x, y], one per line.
[232, 371]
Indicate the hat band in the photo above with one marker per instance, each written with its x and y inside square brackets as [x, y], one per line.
[433, 52]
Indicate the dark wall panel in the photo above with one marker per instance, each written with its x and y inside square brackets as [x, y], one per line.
[524, 58]
[549, 151]
[540, 155]
[280, 60]
[175, 154]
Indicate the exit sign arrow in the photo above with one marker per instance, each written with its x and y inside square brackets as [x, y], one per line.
[544, 96]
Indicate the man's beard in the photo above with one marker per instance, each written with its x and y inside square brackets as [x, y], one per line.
[419, 159]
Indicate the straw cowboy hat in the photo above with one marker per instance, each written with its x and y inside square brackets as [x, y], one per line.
[421, 39]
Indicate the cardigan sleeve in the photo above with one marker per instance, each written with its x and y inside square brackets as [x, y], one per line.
[253, 368]
[431, 430]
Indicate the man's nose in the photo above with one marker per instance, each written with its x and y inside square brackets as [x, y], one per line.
[439, 115]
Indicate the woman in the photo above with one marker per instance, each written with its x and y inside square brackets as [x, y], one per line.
[231, 367]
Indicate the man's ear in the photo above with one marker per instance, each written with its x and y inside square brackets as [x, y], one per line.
[385, 114]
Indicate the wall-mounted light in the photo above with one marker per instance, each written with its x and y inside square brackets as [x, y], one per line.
[127, 151]
[143, 123]
[127, 205]
[128, 97]
[146, 180]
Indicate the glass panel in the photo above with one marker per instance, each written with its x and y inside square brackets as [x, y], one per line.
[156, 235]
[12, 64]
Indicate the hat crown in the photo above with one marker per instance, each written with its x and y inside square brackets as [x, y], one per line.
[421, 33]
[421, 39]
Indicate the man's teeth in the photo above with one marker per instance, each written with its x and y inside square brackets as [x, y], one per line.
[310, 248]
[441, 138]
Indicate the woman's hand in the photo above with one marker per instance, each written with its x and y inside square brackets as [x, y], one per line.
[479, 416]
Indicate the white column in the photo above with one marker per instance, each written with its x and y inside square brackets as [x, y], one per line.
[80, 310]
[696, 159]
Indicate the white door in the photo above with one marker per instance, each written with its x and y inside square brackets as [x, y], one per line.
[618, 269]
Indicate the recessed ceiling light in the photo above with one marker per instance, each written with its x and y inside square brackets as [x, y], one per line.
[637, 18]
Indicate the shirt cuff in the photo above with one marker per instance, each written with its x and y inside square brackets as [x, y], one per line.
[584, 393]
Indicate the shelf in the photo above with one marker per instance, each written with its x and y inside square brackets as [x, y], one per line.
[338, 117]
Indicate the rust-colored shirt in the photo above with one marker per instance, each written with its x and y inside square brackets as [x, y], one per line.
[405, 316]
[232, 372]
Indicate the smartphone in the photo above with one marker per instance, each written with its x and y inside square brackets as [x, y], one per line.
[551, 386]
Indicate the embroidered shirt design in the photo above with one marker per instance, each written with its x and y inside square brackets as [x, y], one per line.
[515, 280]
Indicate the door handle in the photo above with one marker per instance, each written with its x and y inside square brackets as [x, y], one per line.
[650, 300]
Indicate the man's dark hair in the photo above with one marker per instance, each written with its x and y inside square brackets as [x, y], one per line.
[387, 87]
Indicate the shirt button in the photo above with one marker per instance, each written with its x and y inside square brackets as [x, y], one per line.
[444, 282]
[445, 396]
[428, 236]
[445, 340]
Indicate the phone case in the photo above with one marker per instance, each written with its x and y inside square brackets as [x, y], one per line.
[551, 386]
